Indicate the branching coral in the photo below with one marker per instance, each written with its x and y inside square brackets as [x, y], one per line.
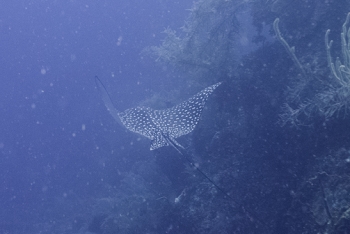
[340, 71]
[332, 94]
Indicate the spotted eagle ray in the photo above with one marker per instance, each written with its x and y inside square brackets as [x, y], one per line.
[162, 127]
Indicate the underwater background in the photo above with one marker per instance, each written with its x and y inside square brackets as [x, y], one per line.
[274, 136]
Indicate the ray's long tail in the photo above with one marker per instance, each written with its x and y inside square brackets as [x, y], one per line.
[249, 213]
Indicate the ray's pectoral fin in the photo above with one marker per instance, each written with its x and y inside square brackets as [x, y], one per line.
[107, 100]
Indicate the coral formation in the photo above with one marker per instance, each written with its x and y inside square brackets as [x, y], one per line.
[333, 91]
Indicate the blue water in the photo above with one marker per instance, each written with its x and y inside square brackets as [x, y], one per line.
[50, 114]
[66, 166]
